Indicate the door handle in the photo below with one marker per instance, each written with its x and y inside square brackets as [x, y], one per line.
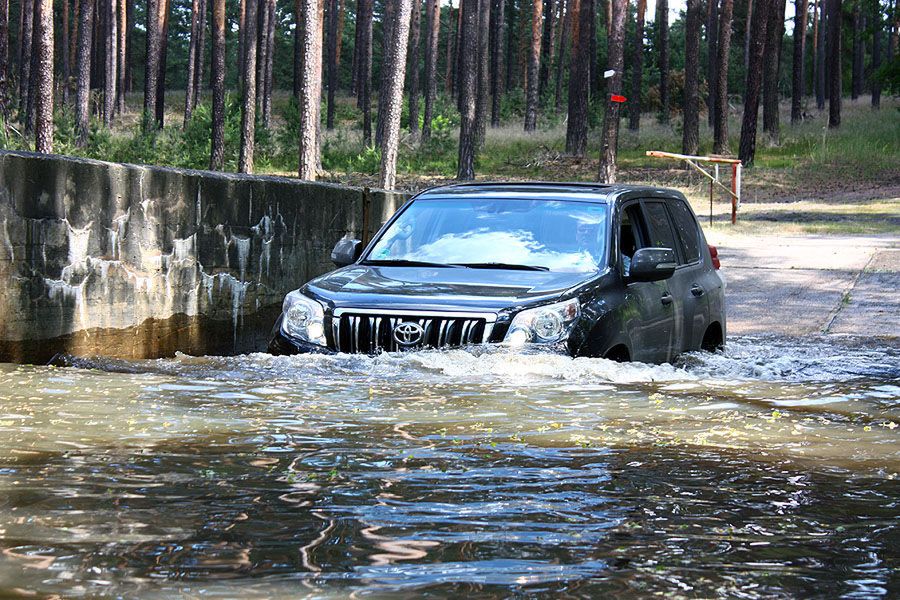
[666, 299]
[697, 290]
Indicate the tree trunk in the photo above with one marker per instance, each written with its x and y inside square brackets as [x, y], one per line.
[64, 51]
[242, 41]
[414, 42]
[388, 26]
[820, 55]
[354, 62]
[690, 138]
[468, 67]
[747, 149]
[894, 41]
[801, 9]
[83, 72]
[450, 55]
[129, 34]
[579, 80]
[662, 20]
[546, 47]
[497, 67]
[562, 52]
[261, 23]
[610, 135]
[26, 30]
[217, 150]
[73, 48]
[331, 61]
[248, 108]
[4, 63]
[534, 65]
[748, 32]
[834, 63]
[432, 35]
[43, 84]
[637, 74]
[771, 73]
[720, 127]
[310, 88]
[151, 65]
[190, 90]
[298, 46]
[877, 34]
[166, 8]
[121, 56]
[856, 74]
[364, 81]
[484, 65]
[394, 98]
[512, 58]
[594, 61]
[112, 57]
[712, 41]
[268, 71]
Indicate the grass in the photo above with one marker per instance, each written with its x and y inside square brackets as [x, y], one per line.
[810, 180]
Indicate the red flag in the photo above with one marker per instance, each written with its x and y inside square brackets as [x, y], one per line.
[617, 98]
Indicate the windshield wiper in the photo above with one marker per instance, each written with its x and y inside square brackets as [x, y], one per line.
[499, 265]
[408, 263]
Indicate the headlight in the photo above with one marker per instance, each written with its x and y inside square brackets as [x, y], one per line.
[304, 319]
[545, 324]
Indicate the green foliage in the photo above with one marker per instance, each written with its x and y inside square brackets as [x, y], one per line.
[889, 76]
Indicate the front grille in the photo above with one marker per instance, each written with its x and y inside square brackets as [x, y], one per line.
[371, 332]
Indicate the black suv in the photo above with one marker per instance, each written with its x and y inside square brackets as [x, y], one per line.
[617, 271]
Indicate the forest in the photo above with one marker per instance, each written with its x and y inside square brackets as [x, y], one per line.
[351, 90]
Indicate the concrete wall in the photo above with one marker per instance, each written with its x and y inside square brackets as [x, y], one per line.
[136, 262]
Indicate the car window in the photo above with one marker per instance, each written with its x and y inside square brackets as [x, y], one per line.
[659, 228]
[631, 235]
[686, 228]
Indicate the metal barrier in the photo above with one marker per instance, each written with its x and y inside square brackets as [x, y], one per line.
[693, 161]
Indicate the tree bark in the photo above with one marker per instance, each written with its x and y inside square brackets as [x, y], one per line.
[112, 57]
[562, 52]
[484, 65]
[432, 35]
[662, 20]
[122, 54]
[712, 42]
[129, 35]
[151, 65]
[546, 46]
[310, 88]
[532, 89]
[83, 72]
[166, 8]
[579, 80]
[64, 51]
[748, 31]
[268, 70]
[364, 81]
[690, 138]
[331, 61]
[450, 71]
[497, 54]
[26, 30]
[242, 41]
[834, 63]
[720, 127]
[771, 73]
[468, 68]
[261, 23]
[217, 149]
[747, 148]
[512, 59]
[394, 97]
[388, 26]
[248, 108]
[877, 34]
[354, 62]
[801, 9]
[637, 74]
[4, 62]
[43, 84]
[414, 43]
[894, 40]
[856, 73]
[820, 55]
[190, 90]
[610, 136]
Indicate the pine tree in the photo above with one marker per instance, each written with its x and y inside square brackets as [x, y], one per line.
[248, 107]
[83, 72]
[634, 113]
[690, 138]
[396, 62]
[43, 84]
[414, 42]
[432, 37]
[217, 149]
[310, 88]
[468, 68]
[610, 133]
[758, 27]
[534, 65]
[662, 50]
[798, 79]
[720, 127]
[833, 71]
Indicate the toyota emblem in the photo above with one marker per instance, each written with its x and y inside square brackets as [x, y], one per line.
[408, 333]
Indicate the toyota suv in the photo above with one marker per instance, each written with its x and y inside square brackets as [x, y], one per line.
[614, 271]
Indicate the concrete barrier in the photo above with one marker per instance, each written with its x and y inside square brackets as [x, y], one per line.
[133, 261]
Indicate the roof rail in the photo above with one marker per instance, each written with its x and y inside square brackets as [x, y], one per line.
[582, 184]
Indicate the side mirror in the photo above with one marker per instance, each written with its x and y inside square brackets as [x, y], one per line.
[652, 264]
[346, 251]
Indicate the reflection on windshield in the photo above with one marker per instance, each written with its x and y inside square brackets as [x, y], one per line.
[558, 235]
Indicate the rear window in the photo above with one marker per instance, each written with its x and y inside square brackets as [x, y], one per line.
[686, 228]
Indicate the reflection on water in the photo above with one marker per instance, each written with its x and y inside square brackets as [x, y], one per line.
[770, 470]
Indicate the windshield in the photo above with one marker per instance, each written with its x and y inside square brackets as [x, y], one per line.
[547, 234]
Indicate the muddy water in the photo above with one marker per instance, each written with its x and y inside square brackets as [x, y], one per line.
[770, 470]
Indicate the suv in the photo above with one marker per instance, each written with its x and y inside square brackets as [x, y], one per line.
[614, 271]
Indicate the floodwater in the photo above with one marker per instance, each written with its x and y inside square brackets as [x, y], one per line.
[768, 471]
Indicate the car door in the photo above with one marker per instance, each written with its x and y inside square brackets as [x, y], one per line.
[648, 310]
[691, 275]
[662, 235]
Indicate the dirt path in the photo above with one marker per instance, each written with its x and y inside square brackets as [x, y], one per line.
[835, 285]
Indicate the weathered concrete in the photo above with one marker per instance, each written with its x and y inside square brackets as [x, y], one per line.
[840, 285]
[136, 261]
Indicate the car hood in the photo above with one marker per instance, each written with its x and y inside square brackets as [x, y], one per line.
[440, 288]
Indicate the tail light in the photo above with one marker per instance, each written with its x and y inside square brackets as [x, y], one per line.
[715, 257]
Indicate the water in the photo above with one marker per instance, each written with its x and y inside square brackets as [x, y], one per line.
[767, 471]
